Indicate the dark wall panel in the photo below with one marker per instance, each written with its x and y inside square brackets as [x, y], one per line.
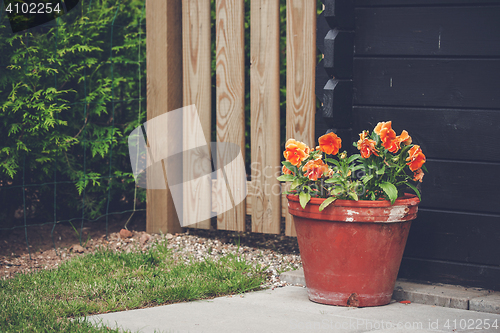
[461, 186]
[426, 31]
[376, 3]
[442, 133]
[449, 272]
[458, 237]
[427, 82]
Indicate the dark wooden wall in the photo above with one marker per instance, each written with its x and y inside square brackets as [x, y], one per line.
[433, 68]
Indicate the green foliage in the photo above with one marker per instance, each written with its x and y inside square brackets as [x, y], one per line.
[70, 92]
[382, 171]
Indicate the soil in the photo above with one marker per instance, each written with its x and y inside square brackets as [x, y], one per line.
[49, 245]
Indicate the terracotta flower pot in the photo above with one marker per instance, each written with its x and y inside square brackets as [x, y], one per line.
[352, 250]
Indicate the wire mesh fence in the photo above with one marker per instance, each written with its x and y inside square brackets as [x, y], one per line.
[70, 92]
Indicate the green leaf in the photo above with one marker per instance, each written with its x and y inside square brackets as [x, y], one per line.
[290, 166]
[325, 203]
[417, 192]
[390, 190]
[424, 168]
[304, 199]
[353, 157]
[295, 183]
[331, 160]
[367, 178]
[337, 190]
[380, 171]
[333, 179]
[286, 178]
[357, 167]
[353, 195]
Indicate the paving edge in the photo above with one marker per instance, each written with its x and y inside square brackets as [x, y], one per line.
[445, 295]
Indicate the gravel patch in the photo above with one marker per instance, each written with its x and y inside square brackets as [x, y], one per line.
[274, 253]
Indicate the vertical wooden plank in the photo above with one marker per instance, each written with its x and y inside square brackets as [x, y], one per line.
[265, 116]
[197, 91]
[300, 79]
[230, 95]
[164, 93]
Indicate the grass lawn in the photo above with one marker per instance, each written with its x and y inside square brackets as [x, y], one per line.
[46, 301]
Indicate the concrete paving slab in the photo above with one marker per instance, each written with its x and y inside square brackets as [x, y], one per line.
[441, 295]
[489, 303]
[294, 277]
[288, 309]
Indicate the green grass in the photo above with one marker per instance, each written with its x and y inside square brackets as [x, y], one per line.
[106, 282]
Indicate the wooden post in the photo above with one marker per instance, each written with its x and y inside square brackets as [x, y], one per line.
[300, 79]
[230, 99]
[265, 116]
[164, 93]
[197, 90]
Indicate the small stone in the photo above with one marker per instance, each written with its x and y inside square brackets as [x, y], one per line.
[144, 238]
[77, 248]
[170, 236]
[124, 233]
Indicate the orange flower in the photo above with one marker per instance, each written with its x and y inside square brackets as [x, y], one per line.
[330, 143]
[315, 169]
[418, 175]
[286, 171]
[299, 144]
[404, 138]
[295, 152]
[366, 146]
[416, 158]
[382, 125]
[386, 133]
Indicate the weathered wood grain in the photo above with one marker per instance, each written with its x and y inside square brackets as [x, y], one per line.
[265, 116]
[197, 92]
[164, 93]
[230, 97]
[300, 80]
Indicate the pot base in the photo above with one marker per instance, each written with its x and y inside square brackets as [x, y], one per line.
[348, 299]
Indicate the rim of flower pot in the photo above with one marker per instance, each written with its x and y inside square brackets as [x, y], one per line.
[406, 199]
[404, 208]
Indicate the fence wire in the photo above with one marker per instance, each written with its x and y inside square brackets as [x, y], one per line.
[42, 145]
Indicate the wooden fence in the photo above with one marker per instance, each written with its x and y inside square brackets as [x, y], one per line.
[178, 50]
